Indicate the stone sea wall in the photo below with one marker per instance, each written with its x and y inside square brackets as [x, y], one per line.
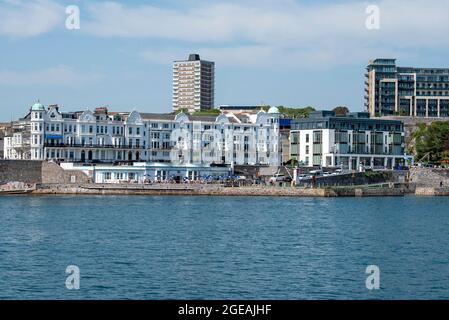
[428, 191]
[27, 171]
[358, 178]
[429, 177]
[20, 171]
[217, 190]
[178, 189]
[53, 173]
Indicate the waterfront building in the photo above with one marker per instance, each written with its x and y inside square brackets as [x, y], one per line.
[351, 141]
[3, 132]
[193, 84]
[406, 91]
[284, 133]
[16, 140]
[103, 136]
[17, 146]
[141, 172]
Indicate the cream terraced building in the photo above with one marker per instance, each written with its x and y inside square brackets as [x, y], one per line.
[103, 136]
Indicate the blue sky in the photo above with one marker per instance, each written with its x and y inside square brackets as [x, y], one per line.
[278, 52]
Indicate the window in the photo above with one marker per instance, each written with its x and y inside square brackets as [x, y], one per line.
[307, 137]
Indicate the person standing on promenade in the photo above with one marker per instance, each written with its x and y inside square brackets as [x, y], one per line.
[313, 182]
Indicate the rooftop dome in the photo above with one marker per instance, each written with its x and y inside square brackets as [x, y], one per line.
[38, 107]
[273, 110]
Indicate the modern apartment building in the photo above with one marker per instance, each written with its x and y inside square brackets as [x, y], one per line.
[193, 84]
[351, 141]
[103, 136]
[406, 91]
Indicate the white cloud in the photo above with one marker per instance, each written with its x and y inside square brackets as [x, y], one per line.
[280, 32]
[273, 22]
[62, 76]
[259, 33]
[27, 18]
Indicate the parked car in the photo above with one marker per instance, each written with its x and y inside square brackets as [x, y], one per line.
[316, 173]
[339, 171]
[280, 178]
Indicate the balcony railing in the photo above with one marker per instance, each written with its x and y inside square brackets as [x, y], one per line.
[92, 146]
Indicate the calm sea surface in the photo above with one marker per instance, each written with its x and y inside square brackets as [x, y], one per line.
[157, 247]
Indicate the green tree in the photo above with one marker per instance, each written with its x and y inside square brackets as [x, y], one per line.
[296, 112]
[209, 112]
[431, 141]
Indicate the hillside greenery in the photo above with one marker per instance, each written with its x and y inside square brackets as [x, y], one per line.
[431, 142]
[289, 112]
[293, 112]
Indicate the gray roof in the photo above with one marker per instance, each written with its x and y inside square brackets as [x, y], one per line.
[158, 116]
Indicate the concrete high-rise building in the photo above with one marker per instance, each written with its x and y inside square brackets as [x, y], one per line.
[193, 84]
[406, 91]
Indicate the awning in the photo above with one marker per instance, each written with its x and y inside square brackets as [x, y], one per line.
[54, 136]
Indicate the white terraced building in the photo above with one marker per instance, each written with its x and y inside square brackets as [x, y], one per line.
[103, 136]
